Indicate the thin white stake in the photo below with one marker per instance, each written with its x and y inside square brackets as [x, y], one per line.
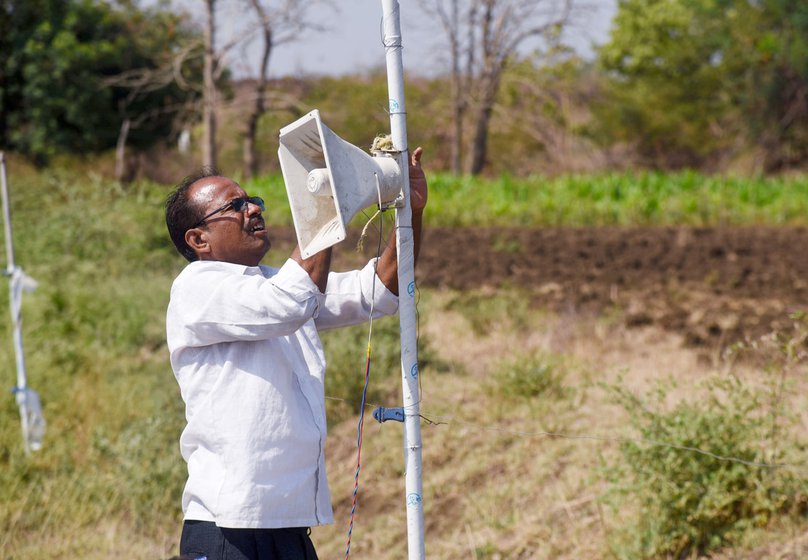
[33, 424]
[406, 281]
[6, 214]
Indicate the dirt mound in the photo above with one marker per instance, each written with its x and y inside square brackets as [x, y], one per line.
[713, 285]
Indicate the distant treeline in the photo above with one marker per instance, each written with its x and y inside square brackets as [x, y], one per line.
[696, 84]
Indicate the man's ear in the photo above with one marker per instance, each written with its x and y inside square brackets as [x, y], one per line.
[197, 239]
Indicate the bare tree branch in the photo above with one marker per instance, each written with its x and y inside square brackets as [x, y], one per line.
[483, 37]
[276, 23]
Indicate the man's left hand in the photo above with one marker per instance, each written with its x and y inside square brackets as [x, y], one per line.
[418, 188]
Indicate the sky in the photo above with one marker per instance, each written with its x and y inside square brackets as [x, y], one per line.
[352, 41]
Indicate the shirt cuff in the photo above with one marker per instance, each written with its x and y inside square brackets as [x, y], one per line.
[384, 301]
[292, 279]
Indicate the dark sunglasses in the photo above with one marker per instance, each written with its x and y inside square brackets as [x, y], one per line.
[237, 204]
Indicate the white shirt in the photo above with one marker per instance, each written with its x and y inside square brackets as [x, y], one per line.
[246, 353]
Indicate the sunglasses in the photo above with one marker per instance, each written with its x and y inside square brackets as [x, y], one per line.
[237, 204]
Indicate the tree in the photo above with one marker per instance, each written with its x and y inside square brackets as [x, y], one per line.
[545, 115]
[164, 91]
[484, 37]
[175, 72]
[668, 90]
[691, 77]
[772, 85]
[57, 58]
[276, 22]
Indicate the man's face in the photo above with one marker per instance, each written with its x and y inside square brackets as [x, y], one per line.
[229, 236]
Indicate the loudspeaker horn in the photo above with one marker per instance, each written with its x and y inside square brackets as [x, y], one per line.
[329, 180]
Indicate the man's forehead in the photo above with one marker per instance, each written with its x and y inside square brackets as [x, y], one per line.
[212, 188]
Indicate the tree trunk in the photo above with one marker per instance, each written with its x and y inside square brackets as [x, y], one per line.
[479, 147]
[250, 154]
[458, 95]
[459, 109]
[249, 158]
[209, 155]
[120, 150]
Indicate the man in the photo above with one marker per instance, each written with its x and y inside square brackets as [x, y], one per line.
[244, 346]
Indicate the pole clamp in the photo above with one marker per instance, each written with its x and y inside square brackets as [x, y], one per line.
[382, 414]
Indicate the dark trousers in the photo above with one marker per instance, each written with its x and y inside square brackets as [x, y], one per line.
[203, 539]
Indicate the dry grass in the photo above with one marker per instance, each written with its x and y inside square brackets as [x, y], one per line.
[107, 540]
[502, 476]
[495, 484]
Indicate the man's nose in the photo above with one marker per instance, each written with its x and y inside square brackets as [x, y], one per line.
[253, 209]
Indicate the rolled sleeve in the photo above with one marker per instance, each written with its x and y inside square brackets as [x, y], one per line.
[350, 296]
[296, 282]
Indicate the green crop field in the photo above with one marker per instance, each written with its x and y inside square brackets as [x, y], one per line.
[628, 199]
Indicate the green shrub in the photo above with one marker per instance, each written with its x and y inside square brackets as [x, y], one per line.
[700, 472]
[529, 376]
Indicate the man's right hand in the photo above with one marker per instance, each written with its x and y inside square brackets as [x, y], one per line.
[317, 266]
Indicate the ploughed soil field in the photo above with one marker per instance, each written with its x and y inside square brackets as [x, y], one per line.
[714, 286]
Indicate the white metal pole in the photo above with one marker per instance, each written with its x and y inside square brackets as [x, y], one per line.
[406, 281]
[15, 290]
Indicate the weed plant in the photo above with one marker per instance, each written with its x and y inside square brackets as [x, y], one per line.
[704, 472]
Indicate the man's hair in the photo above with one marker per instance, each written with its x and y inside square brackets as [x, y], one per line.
[182, 214]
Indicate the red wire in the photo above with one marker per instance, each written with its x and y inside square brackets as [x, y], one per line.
[360, 430]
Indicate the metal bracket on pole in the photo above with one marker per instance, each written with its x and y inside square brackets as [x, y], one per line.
[397, 203]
